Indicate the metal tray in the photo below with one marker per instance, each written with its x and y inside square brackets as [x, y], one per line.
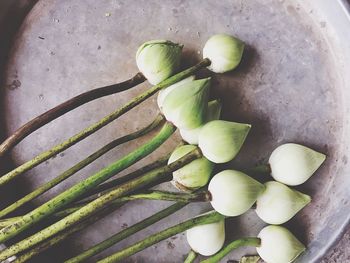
[291, 86]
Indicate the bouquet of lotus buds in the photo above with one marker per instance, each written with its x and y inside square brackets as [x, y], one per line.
[184, 103]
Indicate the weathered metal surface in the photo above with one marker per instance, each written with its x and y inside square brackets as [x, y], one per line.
[291, 86]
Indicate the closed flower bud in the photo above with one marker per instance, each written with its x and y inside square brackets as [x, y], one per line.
[193, 175]
[164, 92]
[233, 192]
[186, 106]
[220, 141]
[279, 203]
[224, 51]
[158, 59]
[207, 239]
[213, 113]
[293, 164]
[278, 245]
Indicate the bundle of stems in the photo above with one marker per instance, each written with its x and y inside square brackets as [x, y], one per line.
[100, 124]
[80, 165]
[164, 234]
[98, 190]
[90, 186]
[97, 204]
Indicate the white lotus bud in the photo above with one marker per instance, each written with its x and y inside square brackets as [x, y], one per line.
[233, 192]
[278, 245]
[158, 59]
[293, 164]
[207, 239]
[279, 203]
[224, 51]
[220, 141]
[213, 113]
[164, 92]
[186, 106]
[194, 175]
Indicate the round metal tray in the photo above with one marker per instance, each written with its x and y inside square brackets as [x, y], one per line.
[292, 86]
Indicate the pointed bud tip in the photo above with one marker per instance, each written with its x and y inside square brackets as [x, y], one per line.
[220, 141]
[278, 203]
[233, 192]
[293, 164]
[278, 245]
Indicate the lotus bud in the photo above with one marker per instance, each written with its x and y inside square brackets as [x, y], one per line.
[207, 239]
[233, 192]
[220, 141]
[279, 203]
[186, 106]
[164, 92]
[224, 51]
[213, 113]
[193, 175]
[278, 245]
[293, 164]
[158, 59]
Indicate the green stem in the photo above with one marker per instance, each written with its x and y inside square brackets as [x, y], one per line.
[191, 257]
[243, 242]
[103, 122]
[60, 237]
[99, 203]
[126, 233]
[80, 188]
[169, 232]
[120, 180]
[202, 196]
[114, 183]
[42, 189]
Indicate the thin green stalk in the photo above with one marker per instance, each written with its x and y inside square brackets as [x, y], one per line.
[203, 196]
[62, 236]
[103, 122]
[126, 233]
[169, 232]
[99, 203]
[243, 242]
[191, 257]
[120, 180]
[42, 189]
[114, 183]
[80, 188]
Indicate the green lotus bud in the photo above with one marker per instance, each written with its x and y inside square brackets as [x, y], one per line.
[278, 245]
[158, 59]
[293, 164]
[193, 175]
[164, 92]
[213, 113]
[207, 239]
[186, 106]
[220, 141]
[224, 51]
[279, 203]
[233, 192]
